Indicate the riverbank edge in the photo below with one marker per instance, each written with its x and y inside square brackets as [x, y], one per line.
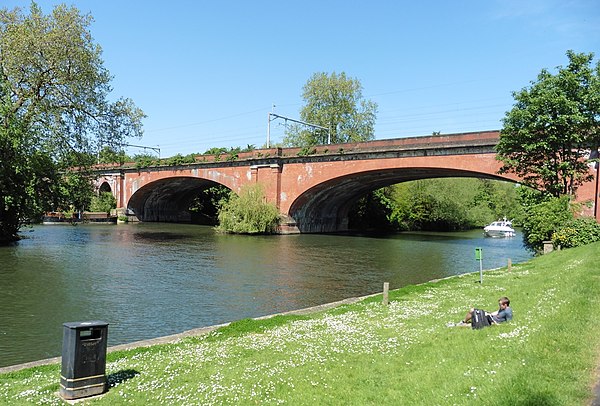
[198, 331]
[594, 388]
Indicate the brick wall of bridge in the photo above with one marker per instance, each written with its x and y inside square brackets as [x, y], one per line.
[314, 192]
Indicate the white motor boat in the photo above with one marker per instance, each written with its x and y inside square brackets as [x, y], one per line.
[500, 228]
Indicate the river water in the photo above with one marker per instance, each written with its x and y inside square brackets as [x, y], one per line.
[150, 280]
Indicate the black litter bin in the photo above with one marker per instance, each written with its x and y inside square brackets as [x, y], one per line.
[83, 370]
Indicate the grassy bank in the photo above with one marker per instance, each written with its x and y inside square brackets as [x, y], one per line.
[366, 353]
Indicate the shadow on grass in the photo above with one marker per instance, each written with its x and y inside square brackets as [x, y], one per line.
[536, 399]
[120, 377]
[524, 393]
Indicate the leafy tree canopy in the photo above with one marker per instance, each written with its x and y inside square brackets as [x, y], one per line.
[104, 202]
[58, 87]
[112, 155]
[54, 108]
[248, 213]
[437, 204]
[553, 126]
[335, 102]
[543, 217]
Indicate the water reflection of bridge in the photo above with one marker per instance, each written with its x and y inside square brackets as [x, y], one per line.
[313, 189]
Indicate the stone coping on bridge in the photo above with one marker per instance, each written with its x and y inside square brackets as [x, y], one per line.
[478, 138]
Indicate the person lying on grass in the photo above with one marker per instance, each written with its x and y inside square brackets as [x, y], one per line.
[504, 313]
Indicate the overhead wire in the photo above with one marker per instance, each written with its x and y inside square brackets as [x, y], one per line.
[387, 122]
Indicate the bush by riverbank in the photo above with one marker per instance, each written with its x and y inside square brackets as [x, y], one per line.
[367, 353]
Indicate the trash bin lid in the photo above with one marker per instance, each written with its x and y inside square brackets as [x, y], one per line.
[85, 324]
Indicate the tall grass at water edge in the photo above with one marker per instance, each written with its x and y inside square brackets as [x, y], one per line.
[368, 353]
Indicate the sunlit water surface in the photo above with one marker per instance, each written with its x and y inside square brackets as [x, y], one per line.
[151, 280]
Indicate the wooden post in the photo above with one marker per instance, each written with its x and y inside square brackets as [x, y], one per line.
[509, 267]
[386, 288]
[479, 257]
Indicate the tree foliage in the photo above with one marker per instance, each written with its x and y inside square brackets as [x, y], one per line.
[57, 82]
[543, 219]
[333, 101]
[28, 181]
[103, 202]
[54, 108]
[580, 231]
[553, 126]
[112, 155]
[205, 207]
[374, 211]
[248, 213]
[437, 204]
[76, 191]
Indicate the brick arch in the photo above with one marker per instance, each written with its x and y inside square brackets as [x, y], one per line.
[105, 187]
[168, 199]
[331, 177]
[325, 207]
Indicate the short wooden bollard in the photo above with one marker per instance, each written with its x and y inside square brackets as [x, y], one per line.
[386, 289]
[509, 266]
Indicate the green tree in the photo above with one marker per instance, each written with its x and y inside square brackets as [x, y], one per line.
[576, 232]
[553, 126]
[145, 160]
[75, 185]
[436, 204]
[543, 219]
[248, 213]
[216, 151]
[76, 191]
[334, 102]
[373, 211]
[112, 155]
[28, 180]
[104, 202]
[205, 207]
[54, 95]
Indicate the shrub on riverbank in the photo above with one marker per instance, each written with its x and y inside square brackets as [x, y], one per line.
[543, 218]
[104, 202]
[577, 232]
[248, 213]
[367, 353]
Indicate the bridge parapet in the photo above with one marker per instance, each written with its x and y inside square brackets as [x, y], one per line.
[313, 188]
[478, 142]
[481, 138]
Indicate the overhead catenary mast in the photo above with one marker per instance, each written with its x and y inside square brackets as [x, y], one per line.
[155, 149]
[144, 147]
[272, 116]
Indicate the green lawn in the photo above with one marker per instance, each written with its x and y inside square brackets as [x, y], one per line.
[367, 353]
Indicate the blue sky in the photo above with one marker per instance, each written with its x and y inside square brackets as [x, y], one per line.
[208, 73]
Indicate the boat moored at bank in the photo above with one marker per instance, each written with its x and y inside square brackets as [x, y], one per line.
[500, 228]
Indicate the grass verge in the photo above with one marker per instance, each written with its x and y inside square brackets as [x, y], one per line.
[367, 353]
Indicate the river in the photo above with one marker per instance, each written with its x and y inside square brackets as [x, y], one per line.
[150, 280]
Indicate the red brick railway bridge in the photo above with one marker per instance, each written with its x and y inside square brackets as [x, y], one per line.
[313, 189]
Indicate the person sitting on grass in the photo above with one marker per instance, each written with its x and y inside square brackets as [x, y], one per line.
[504, 313]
